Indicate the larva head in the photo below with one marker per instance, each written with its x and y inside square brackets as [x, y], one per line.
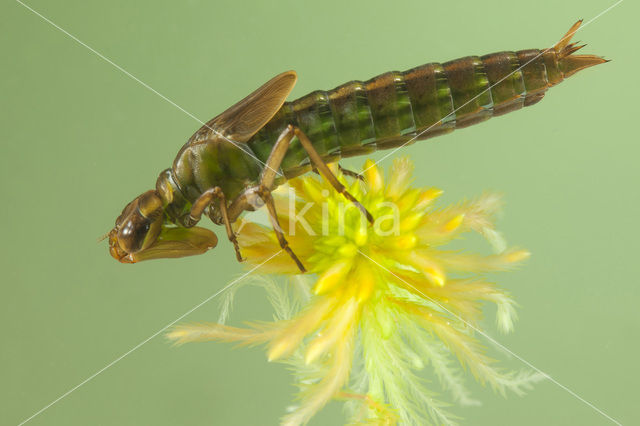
[141, 233]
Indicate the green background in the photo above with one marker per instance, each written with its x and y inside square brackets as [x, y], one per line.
[80, 139]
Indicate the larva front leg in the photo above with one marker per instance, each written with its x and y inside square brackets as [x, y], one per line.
[204, 201]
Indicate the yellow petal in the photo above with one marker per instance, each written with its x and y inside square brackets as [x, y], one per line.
[454, 223]
[366, 283]
[405, 242]
[332, 276]
[334, 168]
[436, 275]
[373, 176]
[293, 332]
[314, 191]
[348, 250]
[427, 197]
[361, 236]
[408, 200]
[410, 221]
[338, 328]
[517, 256]
[430, 269]
[278, 349]
[400, 177]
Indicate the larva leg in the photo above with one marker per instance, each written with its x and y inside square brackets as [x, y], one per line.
[265, 195]
[279, 150]
[201, 204]
[248, 200]
[345, 172]
[319, 164]
[350, 173]
[266, 184]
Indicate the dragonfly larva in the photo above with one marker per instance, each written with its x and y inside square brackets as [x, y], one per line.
[232, 163]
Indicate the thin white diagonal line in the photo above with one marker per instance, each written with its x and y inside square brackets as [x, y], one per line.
[128, 74]
[501, 346]
[493, 85]
[88, 379]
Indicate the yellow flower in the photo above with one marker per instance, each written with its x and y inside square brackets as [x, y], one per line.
[388, 298]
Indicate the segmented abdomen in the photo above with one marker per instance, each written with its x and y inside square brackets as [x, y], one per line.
[396, 107]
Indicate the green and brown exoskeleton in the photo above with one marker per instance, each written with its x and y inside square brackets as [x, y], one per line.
[232, 163]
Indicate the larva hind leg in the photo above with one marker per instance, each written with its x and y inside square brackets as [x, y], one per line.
[345, 172]
[350, 173]
[321, 166]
